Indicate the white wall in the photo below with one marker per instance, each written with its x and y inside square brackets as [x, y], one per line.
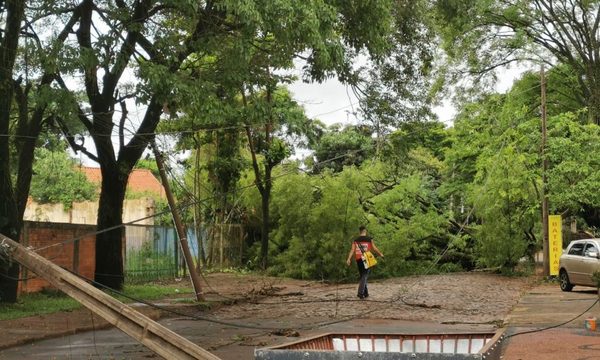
[87, 212]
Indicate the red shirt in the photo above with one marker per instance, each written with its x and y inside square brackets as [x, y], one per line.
[365, 243]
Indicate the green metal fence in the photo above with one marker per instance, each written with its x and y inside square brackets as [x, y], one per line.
[153, 252]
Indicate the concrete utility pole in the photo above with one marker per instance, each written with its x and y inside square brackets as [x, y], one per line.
[545, 236]
[178, 224]
[148, 332]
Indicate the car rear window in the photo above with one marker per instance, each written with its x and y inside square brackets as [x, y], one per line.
[576, 249]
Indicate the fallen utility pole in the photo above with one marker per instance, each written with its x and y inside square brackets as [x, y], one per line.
[178, 224]
[148, 332]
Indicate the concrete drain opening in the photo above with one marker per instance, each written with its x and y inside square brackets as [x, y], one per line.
[448, 346]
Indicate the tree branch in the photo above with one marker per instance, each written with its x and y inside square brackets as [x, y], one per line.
[85, 41]
[111, 79]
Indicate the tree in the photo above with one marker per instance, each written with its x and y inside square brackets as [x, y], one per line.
[475, 130]
[282, 115]
[362, 27]
[155, 39]
[574, 168]
[37, 104]
[314, 227]
[485, 35]
[251, 69]
[431, 135]
[10, 225]
[487, 133]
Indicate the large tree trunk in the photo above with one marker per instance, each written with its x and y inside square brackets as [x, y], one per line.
[9, 226]
[115, 173]
[9, 221]
[109, 244]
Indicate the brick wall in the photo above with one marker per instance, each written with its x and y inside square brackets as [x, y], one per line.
[77, 256]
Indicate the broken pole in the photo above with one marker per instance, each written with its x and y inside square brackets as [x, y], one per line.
[178, 224]
[148, 332]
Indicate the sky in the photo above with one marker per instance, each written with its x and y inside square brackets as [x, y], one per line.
[333, 102]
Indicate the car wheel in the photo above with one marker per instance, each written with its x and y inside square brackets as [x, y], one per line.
[565, 284]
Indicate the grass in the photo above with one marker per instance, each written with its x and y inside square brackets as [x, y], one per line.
[52, 301]
[37, 304]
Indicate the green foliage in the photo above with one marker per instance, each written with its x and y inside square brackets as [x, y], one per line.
[57, 180]
[484, 35]
[219, 71]
[574, 158]
[400, 86]
[339, 147]
[318, 216]
[314, 225]
[494, 166]
[149, 164]
[503, 201]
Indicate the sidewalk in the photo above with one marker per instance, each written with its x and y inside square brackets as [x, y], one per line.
[545, 306]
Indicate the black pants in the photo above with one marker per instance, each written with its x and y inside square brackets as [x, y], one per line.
[363, 291]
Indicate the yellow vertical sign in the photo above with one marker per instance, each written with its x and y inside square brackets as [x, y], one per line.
[554, 242]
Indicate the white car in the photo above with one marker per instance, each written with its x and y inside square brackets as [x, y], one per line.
[578, 263]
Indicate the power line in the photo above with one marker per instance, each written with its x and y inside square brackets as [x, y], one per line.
[350, 105]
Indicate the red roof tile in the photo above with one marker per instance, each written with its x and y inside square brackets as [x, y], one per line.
[140, 180]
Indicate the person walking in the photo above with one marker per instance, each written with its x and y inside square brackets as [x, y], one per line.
[362, 243]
